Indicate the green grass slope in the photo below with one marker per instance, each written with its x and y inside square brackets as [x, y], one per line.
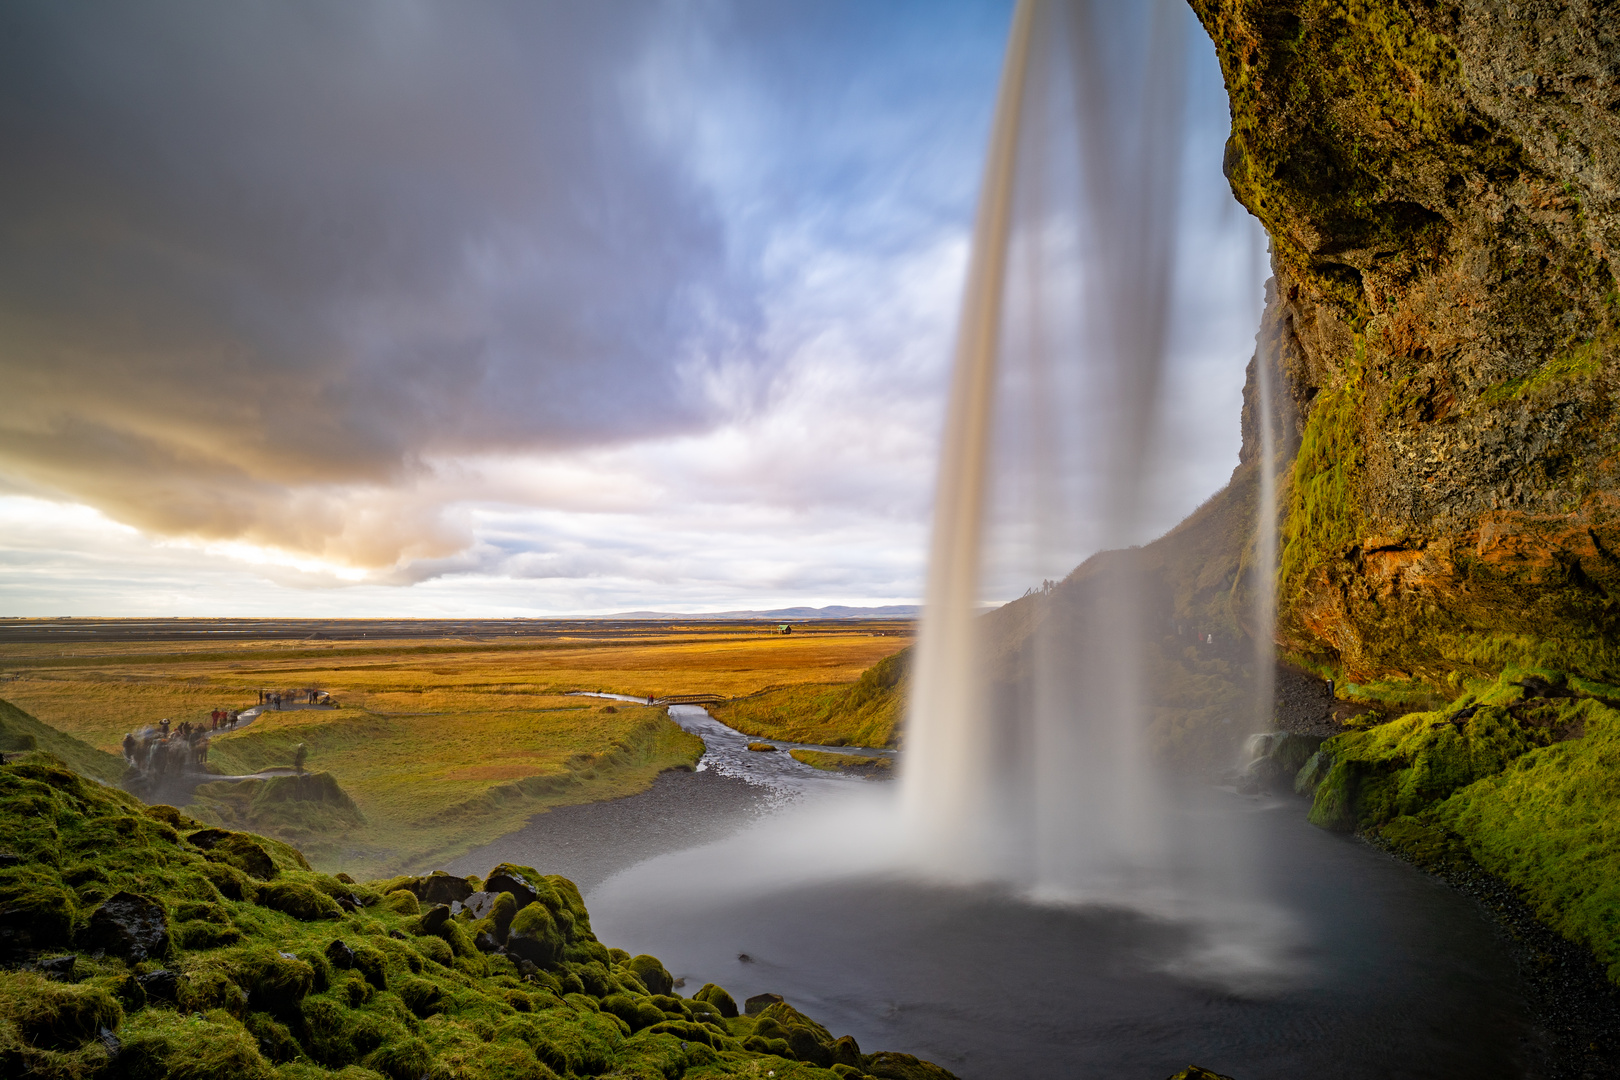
[866, 712]
[136, 943]
[20, 731]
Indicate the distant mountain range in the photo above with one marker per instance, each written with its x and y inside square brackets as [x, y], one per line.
[836, 611]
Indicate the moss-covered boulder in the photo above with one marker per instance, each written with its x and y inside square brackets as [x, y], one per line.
[300, 899]
[236, 849]
[714, 995]
[651, 972]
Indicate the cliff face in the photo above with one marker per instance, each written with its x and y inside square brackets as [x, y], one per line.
[1441, 182]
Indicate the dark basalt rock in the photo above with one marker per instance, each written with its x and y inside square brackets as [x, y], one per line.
[339, 955]
[130, 926]
[484, 943]
[504, 879]
[434, 918]
[480, 904]
[160, 985]
[441, 888]
[57, 967]
[756, 1004]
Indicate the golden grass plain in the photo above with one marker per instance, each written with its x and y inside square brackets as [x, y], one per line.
[443, 744]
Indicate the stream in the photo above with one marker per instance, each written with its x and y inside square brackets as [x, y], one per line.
[762, 874]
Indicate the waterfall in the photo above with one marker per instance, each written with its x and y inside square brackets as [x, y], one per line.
[1265, 525]
[1024, 755]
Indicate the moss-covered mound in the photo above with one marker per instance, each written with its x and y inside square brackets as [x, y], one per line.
[136, 942]
[21, 731]
[295, 807]
[1521, 775]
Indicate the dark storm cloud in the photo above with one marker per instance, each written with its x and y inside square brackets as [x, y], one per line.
[254, 252]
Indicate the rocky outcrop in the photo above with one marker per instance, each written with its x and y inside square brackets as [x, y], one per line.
[1441, 182]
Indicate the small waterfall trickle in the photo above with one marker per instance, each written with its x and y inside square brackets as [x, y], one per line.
[1025, 740]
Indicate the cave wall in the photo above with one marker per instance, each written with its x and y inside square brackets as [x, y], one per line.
[1441, 183]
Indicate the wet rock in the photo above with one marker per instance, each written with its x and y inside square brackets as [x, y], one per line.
[8, 859]
[891, 1066]
[130, 926]
[1275, 759]
[110, 1043]
[756, 1004]
[160, 985]
[57, 967]
[485, 943]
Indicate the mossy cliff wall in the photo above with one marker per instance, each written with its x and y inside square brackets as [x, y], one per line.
[1441, 182]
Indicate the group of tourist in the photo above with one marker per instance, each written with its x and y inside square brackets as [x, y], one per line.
[276, 698]
[168, 747]
[160, 750]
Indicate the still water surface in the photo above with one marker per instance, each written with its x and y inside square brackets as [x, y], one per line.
[1347, 964]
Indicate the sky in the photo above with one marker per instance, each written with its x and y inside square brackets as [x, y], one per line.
[505, 309]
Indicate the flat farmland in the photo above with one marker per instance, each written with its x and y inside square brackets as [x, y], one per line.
[442, 743]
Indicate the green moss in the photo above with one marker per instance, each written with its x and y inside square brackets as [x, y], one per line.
[55, 1016]
[161, 1045]
[300, 899]
[1408, 764]
[651, 973]
[402, 902]
[1581, 362]
[1323, 518]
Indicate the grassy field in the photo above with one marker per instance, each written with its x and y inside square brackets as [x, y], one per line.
[442, 744]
